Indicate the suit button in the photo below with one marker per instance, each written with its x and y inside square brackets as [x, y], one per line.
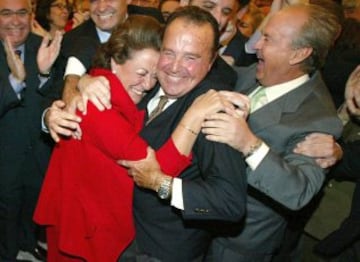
[201, 210]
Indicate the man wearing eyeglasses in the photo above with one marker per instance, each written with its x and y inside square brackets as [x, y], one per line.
[25, 87]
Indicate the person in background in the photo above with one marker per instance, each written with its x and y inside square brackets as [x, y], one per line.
[167, 7]
[232, 42]
[80, 13]
[351, 9]
[146, 3]
[249, 21]
[26, 78]
[50, 16]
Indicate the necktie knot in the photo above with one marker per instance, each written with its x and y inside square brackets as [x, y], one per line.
[158, 109]
[18, 52]
[258, 99]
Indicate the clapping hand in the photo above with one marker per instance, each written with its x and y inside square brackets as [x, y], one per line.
[14, 62]
[48, 53]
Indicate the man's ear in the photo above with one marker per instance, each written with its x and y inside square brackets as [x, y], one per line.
[300, 54]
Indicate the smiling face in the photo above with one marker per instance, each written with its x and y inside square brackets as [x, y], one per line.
[106, 14]
[138, 74]
[274, 49]
[15, 20]
[185, 58]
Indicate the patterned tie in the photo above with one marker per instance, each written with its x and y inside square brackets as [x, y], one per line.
[258, 99]
[158, 109]
[18, 53]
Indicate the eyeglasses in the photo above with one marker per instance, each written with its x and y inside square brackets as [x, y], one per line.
[6, 13]
[61, 6]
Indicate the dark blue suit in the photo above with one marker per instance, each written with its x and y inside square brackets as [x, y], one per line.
[24, 152]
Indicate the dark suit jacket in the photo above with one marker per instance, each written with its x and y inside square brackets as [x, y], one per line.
[214, 188]
[236, 49]
[83, 41]
[80, 42]
[283, 180]
[20, 127]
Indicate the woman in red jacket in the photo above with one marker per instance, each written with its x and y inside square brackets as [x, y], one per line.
[86, 198]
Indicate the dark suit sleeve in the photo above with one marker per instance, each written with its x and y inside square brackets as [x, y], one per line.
[292, 180]
[349, 164]
[8, 97]
[220, 194]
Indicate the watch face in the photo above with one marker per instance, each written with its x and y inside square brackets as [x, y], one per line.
[163, 192]
[165, 188]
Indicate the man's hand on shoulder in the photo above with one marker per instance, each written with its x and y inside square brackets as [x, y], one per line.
[322, 147]
[97, 90]
[62, 123]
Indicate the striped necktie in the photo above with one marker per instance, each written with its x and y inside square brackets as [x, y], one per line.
[18, 53]
[158, 109]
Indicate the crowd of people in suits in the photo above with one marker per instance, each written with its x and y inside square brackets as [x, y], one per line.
[127, 138]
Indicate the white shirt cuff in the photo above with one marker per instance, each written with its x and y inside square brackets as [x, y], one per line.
[74, 67]
[255, 159]
[44, 128]
[177, 200]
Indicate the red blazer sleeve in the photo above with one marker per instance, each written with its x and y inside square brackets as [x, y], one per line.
[117, 136]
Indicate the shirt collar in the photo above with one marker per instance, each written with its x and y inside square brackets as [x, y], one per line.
[276, 91]
[103, 35]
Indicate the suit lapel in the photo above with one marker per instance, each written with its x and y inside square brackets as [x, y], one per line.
[271, 113]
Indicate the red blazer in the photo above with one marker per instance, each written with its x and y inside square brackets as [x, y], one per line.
[86, 194]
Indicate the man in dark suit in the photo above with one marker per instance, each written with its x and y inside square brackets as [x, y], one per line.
[213, 187]
[294, 102]
[25, 90]
[232, 44]
[80, 44]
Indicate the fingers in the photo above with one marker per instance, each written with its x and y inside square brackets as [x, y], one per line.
[45, 42]
[319, 145]
[56, 42]
[54, 136]
[59, 104]
[325, 162]
[7, 46]
[97, 102]
[150, 153]
[126, 163]
[61, 122]
[75, 103]
[97, 90]
[239, 100]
